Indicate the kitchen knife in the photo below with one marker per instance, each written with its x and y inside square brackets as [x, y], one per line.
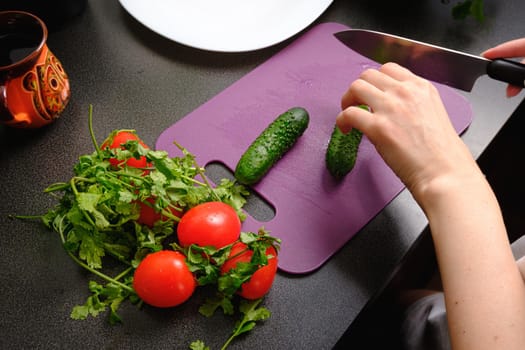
[446, 66]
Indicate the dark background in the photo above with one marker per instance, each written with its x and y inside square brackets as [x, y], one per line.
[137, 79]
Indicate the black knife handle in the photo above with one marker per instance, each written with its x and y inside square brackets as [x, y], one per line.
[507, 71]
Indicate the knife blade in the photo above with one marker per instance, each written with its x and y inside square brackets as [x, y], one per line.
[439, 64]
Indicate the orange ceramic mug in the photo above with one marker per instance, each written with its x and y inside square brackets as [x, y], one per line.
[34, 88]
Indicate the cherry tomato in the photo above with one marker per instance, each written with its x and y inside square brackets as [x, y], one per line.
[163, 279]
[117, 141]
[209, 224]
[148, 215]
[262, 279]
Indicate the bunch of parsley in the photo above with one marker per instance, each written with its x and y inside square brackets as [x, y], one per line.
[97, 211]
[205, 263]
[96, 220]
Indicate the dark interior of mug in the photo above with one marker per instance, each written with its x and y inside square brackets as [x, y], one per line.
[54, 13]
[20, 36]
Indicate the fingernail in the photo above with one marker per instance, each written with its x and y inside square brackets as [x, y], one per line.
[341, 125]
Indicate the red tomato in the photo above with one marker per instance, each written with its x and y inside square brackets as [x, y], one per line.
[163, 279]
[120, 138]
[262, 279]
[148, 215]
[209, 224]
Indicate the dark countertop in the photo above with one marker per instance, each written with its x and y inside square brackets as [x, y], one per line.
[137, 79]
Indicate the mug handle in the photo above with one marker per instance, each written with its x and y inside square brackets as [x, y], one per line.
[5, 116]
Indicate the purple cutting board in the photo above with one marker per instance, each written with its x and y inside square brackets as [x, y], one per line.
[314, 215]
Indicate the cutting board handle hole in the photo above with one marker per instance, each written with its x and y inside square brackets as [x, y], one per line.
[257, 206]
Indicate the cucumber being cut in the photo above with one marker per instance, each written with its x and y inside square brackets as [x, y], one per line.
[341, 153]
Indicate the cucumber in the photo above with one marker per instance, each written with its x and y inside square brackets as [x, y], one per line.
[341, 153]
[271, 145]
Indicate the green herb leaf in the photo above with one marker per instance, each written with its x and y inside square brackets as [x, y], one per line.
[230, 282]
[198, 345]
[98, 208]
[477, 10]
[103, 296]
[212, 304]
[251, 314]
[467, 8]
[205, 262]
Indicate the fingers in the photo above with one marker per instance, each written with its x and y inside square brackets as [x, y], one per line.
[354, 117]
[513, 90]
[360, 92]
[370, 89]
[367, 90]
[509, 49]
[372, 82]
[396, 71]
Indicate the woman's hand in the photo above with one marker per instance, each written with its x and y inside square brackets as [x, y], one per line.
[410, 128]
[408, 125]
[509, 49]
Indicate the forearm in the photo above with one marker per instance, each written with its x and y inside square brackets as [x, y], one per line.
[484, 292]
[410, 128]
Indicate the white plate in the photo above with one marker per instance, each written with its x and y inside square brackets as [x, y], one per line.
[226, 25]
